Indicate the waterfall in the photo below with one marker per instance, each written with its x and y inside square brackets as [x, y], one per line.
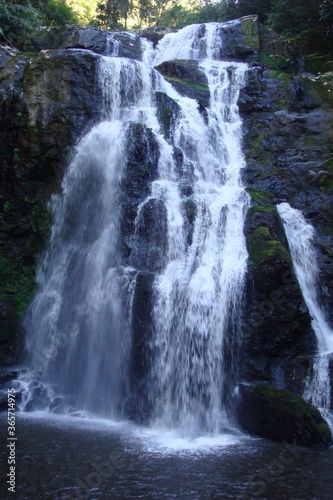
[300, 235]
[80, 323]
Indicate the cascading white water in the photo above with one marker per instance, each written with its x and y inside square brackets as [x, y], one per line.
[197, 296]
[77, 331]
[300, 235]
[85, 291]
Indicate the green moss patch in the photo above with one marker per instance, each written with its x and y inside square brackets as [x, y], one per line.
[286, 401]
[320, 87]
[17, 281]
[318, 63]
[281, 415]
[250, 33]
[24, 227]
[260, 197]
[188, 83]
[261, 246]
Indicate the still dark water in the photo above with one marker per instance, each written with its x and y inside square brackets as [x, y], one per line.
[67, 457]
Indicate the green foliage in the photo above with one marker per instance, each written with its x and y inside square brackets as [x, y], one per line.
[254, 151]
[17, 20]
[17, 280]
[308, 23]
[111, 12]
[269, 209]
[58, 13]
[293, 16]
[260, 244]
[202, 87]
[6, 207]
[250, 33]
[177, 16]
[84, 10]
[20, 18]
[25, 224]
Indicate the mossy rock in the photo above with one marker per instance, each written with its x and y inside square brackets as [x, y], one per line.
[261, 197]
[320, 87]
[269, 209]
[281, 415]
[250, 32]
[262, 242]
[276, 52]
[261, 246]
[188, 79]
[318, 63]
[167, 113]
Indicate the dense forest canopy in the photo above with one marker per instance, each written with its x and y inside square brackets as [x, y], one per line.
[309, 20]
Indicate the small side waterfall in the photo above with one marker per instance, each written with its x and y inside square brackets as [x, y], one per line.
[196, 208]
[300, 236]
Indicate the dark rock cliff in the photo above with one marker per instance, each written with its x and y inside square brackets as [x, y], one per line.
[287, 140]
[47, 101]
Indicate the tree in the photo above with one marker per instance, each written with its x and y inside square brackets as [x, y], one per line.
[108, 13]
[20, 18]
[111, 11]
[84, 10]
[293, 16]
[57, 12]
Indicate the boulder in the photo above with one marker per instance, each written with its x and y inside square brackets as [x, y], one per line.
[40, 399]
[154, 34]
[240, 40]
[276, 52]
[99, 41]
[187, 79]
[281, 415]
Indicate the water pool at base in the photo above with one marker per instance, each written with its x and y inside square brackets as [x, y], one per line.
[80, 458]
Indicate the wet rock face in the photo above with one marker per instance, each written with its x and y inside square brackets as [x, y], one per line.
[168, 112]
[46, 103]
[287, 144]
[62, 111]
[154, 34]
[140, 171]
[281, 415]
[276, 322]
[240, 40]
[187, 79]
[137, 406]
[150, 239]
[98, 41]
